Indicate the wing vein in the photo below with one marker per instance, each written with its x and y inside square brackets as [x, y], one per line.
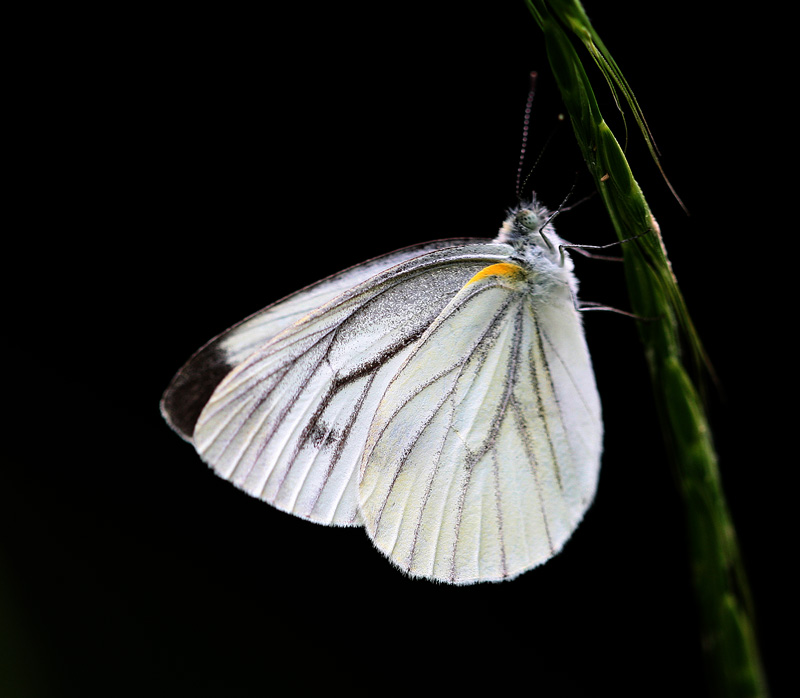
[540, 404]
[282, 414]
[341, 443]
[499, 512]
[407, 451]
[490, 440]
[526, 441]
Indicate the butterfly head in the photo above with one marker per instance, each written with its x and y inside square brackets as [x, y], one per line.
[529, 231]
[530, 219]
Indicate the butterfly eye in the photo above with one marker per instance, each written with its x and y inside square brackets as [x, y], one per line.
[528, 219]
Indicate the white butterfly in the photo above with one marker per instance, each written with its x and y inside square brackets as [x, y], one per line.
[442, 396]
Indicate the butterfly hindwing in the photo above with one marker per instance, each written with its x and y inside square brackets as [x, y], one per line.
[484, 452]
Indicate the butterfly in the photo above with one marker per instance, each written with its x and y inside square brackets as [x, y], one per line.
[441, 396]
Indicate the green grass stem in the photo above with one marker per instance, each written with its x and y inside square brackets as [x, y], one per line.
[672, 348]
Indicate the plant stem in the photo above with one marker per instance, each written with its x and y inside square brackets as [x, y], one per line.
[673, 351]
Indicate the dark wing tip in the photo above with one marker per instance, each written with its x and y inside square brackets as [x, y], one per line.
[192, 387]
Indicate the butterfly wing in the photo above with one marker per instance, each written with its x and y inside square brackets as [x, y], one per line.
[288, 424]
[484, 452]
[193, 385]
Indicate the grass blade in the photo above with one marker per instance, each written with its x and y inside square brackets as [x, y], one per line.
[672, 348]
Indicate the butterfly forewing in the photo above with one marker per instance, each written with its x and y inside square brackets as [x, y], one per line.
[288, 424]
[193, 385]
[468, 466]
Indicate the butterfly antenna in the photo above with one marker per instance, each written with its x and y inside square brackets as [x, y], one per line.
[579, 202]
[526, 124]
[553, 132]
[521, 185]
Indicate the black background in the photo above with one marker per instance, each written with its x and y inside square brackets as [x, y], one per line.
[183, 170]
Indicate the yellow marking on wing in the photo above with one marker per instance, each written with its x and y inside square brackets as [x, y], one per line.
[502, 269]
